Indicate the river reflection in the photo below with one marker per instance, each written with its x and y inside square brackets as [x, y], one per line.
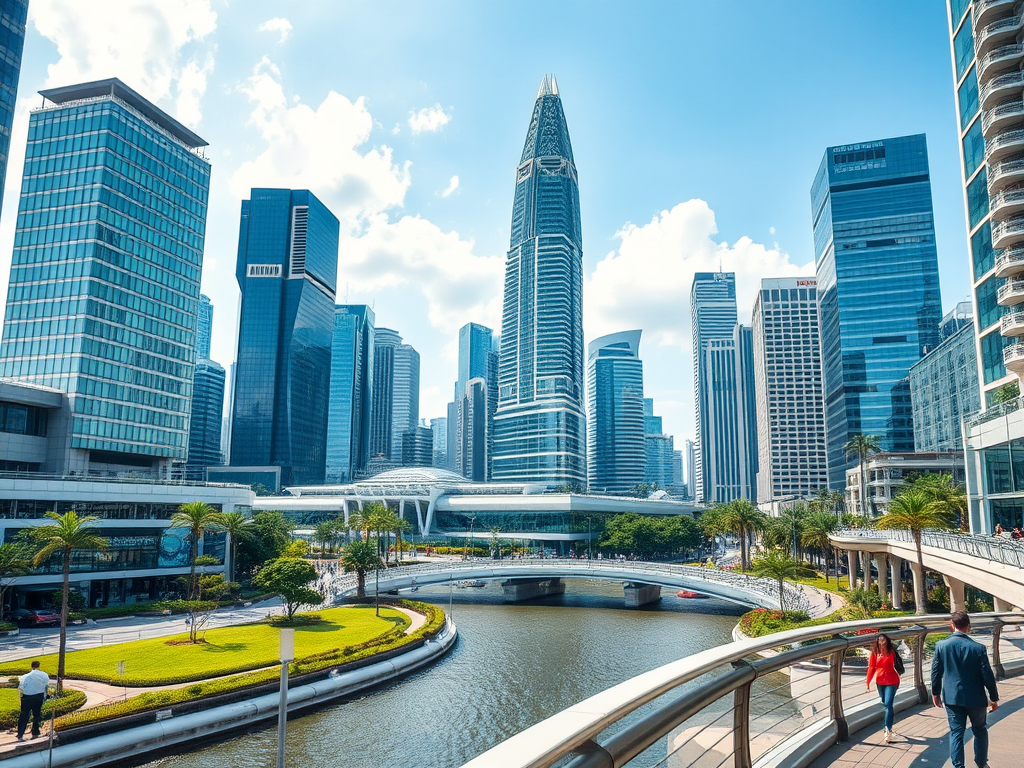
[513, 666]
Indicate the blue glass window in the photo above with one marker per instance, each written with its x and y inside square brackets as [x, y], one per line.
[963, 48]
[992, 356]
[957, 8]
[974, 149]
[988, 311]
[977, 198]
[967, 97]
[982, 253]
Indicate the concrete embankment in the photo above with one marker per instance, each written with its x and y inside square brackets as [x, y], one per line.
[172, 732]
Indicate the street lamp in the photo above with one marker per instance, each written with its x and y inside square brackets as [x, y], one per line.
[472, 522]
[590, 552]
[287, 655]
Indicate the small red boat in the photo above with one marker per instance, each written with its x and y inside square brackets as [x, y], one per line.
[688, 595]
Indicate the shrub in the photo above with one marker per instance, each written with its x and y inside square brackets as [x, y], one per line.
[297, 620]
[762, 621]
[6, 626]
[69, 701]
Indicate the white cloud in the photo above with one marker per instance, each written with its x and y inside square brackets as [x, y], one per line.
[158, 48]
[319, 149]
[458, 285]
[281, 26]
[453, 184]
[771, 230]
[429, 119]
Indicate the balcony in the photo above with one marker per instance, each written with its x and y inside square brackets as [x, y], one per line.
[1001, 117]
[998, 88]
[1001, 32]
[1010, 262]
[1004, 174]
[1013, 358]
[1008, 232]
[1007, 203]
[987, 10]
[1011, 293]
[999, 60]
[1012, 325]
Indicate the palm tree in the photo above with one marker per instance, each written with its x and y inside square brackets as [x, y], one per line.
[744, 519]
[200, 518]
[862, 446]
[360, 557]
[949, 496]
[913, 511]
[13, 563]
[777, 564]
[402, 527]
[66, 534]
[817, 528]
[236, 526]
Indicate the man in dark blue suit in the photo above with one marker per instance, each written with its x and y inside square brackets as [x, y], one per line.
[961, 674]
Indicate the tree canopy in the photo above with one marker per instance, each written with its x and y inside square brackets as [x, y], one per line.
[290, 577]
[650, 536]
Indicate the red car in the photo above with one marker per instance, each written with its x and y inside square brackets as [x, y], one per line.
[36, 618]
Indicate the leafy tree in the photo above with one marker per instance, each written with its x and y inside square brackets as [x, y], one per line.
[867, 600]
[213, 586]
[650, 536]
[745, 520]
[360, 557]
[1007, 392]
[778, 565]
[913, 511]
[67, 533]
[402, 527]
[325, 535]
[237, 527]
[199, 614]
[948, 496]
[269, 534]
[14, 562]
[76, 603]
[862, 446]
[297, 548]
[261, 490]
[290, 577]
[815, 534]
[199, 518]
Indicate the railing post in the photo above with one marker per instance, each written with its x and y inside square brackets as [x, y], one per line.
[741, 727]
[922, 690]
[997, 663]
[835, 689]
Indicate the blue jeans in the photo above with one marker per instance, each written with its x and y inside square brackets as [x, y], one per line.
[958, 717]
[887, 693]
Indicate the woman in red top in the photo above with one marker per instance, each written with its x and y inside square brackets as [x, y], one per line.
[882, 667]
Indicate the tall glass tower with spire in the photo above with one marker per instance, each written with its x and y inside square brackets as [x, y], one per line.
[540, 424]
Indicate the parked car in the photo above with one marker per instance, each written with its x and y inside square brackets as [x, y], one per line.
[24, 617]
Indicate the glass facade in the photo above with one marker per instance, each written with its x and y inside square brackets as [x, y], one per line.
[286, 269]
[944, 389]
[348, 419]
[540, 424]
[878, 288]
[207, 419]
[204, 327]
[13, 17]
[616, 450]
[396, 395]
[712, 316]
[474, 437]
[104, 289]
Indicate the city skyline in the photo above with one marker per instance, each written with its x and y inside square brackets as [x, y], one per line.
[451, 141]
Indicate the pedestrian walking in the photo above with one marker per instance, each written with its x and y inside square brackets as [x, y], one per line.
[32, 688]
[885, 666]
[961, 676]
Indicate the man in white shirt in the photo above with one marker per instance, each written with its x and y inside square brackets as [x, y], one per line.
[32, 688]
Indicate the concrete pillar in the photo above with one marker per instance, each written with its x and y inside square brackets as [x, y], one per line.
[865, 563]
[915, 569]
[517, 590]
[851, 564]
[883, 576]
[956, 594]
[897, 582]
[1001, 605]
[640, 594]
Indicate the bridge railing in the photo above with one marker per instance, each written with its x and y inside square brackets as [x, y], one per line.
[1000, 550]
[729, 706]
[795, 597]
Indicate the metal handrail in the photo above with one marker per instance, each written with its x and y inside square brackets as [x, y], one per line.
[1010, 255]
[1013, 352]
[1002, 52]
[1010, 108]
[996, 27]
[576, 730]
[1009, 320]
[1011, 286]
[996, 170]
[993, 412]
[1009, 79]
[992, 548]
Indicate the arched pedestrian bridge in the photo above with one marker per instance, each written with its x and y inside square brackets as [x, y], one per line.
[527, 578]
[993, 565]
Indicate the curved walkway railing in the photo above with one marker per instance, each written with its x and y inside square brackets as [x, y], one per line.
[724, 707]
[663, 574]
[1000, 550]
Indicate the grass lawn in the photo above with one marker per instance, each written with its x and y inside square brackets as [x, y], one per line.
[227, 650]
[819, 581]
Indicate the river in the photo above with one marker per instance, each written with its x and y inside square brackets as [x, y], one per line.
[513, 666]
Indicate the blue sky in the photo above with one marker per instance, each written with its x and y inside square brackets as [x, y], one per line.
[697, 128]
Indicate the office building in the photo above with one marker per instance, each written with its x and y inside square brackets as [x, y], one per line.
[887, 473]
[286, 269]
[792, 462]
[943, 389]
[712, 316]
[204, 327]
[439, 427]
[473, 434]
[678, 486]
[689, 467]
[540, 423]
[206, 421]
[351, 400]
[417, 447]
[878, 289]
[746, 407]
[616, 447]
[962, 314]
[104, 291]
[13, 18]
[396, 395]
[724, 451]
[658, 449]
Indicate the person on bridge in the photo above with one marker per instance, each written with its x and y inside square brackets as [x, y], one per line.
[962, 674]
[882, 666]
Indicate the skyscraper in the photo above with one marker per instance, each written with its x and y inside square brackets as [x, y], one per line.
[746, 406]
[878, 289]
[472, 434]
[943, 390]
[540, 421]
[439, 427]
[204, 431]
[690, 466]
[477, 360]
[790, 411]
[658, 449]
[723, 451]
[13, 17]
[204, 327]
[103, 291]
[417, 447]
[396, 395]
[616, 451]
[286, 269]
[348, 417]
[712, 316]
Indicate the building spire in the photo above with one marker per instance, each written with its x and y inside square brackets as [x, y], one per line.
[548, 86]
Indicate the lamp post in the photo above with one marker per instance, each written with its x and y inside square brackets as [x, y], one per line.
[590, 551]
[376, 585]
[287, 655]
[472, 522]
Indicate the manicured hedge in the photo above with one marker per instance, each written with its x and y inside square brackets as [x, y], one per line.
[763, 621]
[69, 701]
